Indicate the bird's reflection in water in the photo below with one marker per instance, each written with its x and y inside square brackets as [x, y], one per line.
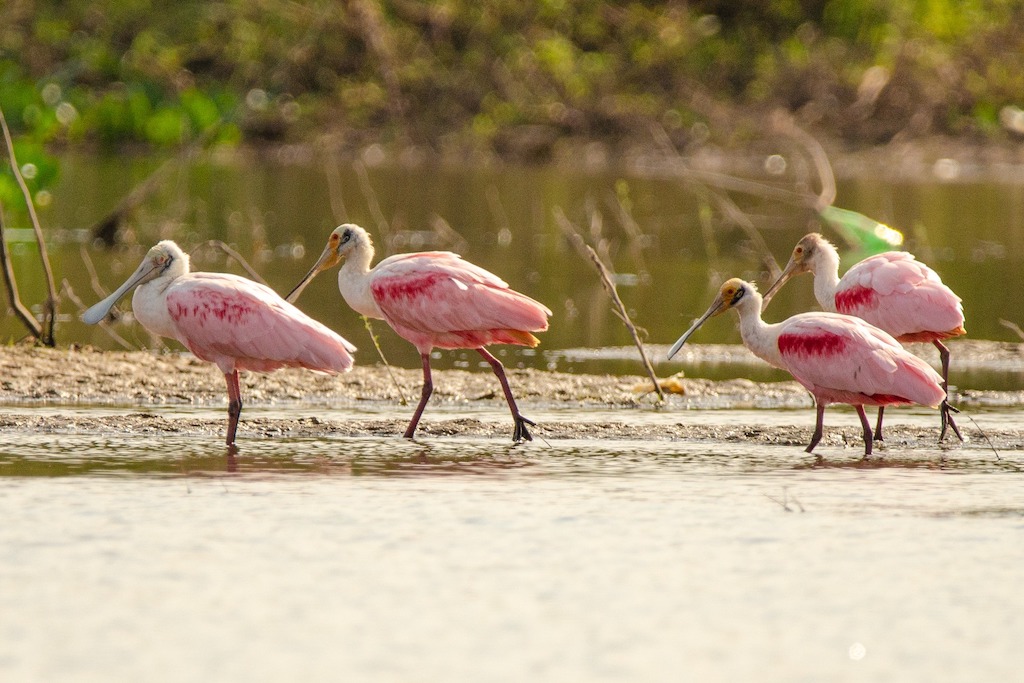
[405, 458]
[431, 460]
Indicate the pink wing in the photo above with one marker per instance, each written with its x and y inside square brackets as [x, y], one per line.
[240, 324]
[902, 296]
[435, 299]
[842, 359]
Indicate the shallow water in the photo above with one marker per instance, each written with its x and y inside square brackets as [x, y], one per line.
[159, 558]
[144, 558]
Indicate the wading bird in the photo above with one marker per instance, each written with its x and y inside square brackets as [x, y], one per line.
[838, 358]
[433, 299]
[892, 291]
[227, 320]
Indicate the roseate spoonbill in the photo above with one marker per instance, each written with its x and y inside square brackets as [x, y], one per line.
[225, 319]
[838, 358]
[433, 299]
[893, 291]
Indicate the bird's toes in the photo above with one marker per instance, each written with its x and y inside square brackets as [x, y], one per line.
[521, 433]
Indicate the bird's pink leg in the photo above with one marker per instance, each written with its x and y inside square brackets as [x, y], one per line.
[878, 427]
[520, 433]
[946, 410]
[867, 430]
[234, 404]
[818, 427]
[428, 388]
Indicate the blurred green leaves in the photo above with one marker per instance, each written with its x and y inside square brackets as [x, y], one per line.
[114, 72]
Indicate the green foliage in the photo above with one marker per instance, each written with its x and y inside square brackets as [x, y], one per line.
[110, 72]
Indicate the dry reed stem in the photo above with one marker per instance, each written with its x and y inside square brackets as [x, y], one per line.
[10, 281]
[50, 306]
[67, 290]
[584, 249]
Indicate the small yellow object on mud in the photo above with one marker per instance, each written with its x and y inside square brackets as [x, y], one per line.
[673, 385]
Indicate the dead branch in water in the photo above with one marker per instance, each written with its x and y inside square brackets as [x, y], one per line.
[11, 284]
[66, 289]
[50, 305]
[609, 285]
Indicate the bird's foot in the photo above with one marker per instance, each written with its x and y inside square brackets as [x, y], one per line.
[946, 411]
[521, 433]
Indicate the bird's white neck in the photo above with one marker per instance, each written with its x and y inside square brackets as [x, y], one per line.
[354, 281]
[755, 332]
[149, 304]
[825, 269]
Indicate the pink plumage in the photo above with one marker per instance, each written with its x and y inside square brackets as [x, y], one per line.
[227, 320]
[433, 299]
[436, 299]
[893, 291]
[842, 359]
[899, 294]
[239, 324]
[836, 357]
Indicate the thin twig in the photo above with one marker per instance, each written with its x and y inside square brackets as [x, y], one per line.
[380, 352]
[983, 434]
[635, 235]
[11, 283]
[1013, 326]
[334, 188]
[585, 249]
[104, 325]
[50, 306]
[94, 278]
[614, 294]
[784, 123]
[374, 205]
[217, 244]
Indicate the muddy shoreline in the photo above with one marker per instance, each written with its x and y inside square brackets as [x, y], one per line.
[142, 381]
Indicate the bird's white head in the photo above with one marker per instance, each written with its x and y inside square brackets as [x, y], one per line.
[346, 241]
[810, 253]
[164, 261]
[734, 293]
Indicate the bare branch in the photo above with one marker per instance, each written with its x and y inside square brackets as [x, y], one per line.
[11, 283]
[66, 289]
[50, 306]
[609, 285]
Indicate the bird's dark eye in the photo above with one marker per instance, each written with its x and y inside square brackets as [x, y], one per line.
[740, 291]
[346, 236]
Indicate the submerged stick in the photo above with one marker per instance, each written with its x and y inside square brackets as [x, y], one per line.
[50, 306]
[104, 325]
[11, 284]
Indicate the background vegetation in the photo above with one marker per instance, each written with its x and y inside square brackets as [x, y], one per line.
[506, 75]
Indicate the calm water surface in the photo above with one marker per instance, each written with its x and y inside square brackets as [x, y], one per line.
[461, 559]
[164, 559]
